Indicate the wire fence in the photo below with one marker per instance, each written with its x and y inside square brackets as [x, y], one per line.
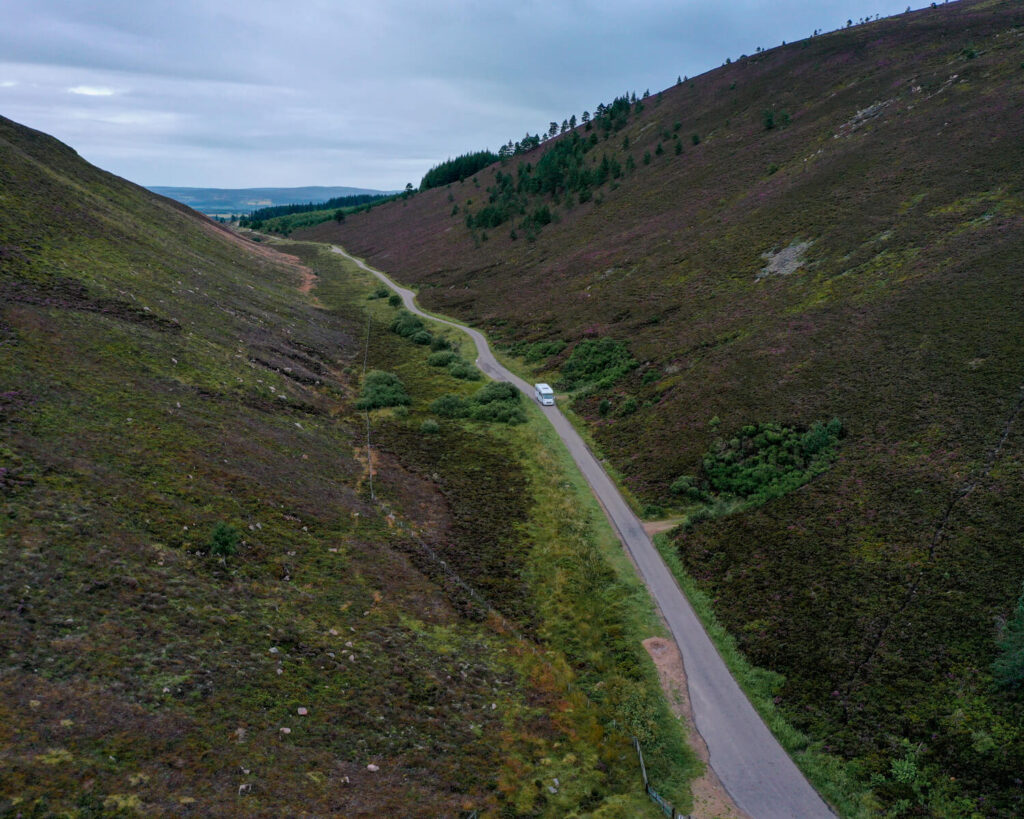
[666, 807]
[369, 452]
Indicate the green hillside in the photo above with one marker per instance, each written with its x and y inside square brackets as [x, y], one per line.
[832, 229]
[218, 601]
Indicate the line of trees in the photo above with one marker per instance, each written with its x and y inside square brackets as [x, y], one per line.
[260, 215]
[455, 170]
[563, 173]
[563, 170]
[609, 118]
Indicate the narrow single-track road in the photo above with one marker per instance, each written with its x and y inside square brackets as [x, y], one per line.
[753, 767]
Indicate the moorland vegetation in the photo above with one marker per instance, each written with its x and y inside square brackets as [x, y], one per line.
[833, 228]
[220, 600]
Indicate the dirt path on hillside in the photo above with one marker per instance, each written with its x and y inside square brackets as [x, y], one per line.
[307, 278]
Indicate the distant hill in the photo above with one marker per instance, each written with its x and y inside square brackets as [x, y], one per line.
[829, 229]
[223, 201]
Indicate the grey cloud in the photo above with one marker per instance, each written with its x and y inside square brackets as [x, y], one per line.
[355, 93]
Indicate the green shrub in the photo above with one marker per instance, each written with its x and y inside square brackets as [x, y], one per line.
[442, 358]
[224, 539]
[767, 460]
[423, 337]
[430, 427]
[406, 324]
[440, 343]
[497, 391]
[380, 293]
[629, 406]
[464, 370]
[596, 361]
[497, 402]
[381, 389]
[686, 485]
[450, 406]
[394, 300]
[682, 485]
[543, 349]
[498, 412]
[604, 407]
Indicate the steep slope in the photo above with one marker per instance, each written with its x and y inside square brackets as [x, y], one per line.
[206, 610]
[858, 259]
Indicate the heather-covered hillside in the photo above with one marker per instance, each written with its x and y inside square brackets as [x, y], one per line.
[832, 229]
[218, 600]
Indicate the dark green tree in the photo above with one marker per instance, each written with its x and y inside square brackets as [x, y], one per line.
[224, 539]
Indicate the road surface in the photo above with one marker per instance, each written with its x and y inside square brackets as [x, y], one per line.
[753, 767]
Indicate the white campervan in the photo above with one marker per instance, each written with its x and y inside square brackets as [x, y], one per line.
[544, 394]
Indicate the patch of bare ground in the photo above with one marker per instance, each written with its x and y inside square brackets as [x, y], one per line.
[656, 527]
[710, 798]
[783, 262]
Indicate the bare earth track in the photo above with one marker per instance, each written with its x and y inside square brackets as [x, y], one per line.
[752, 766]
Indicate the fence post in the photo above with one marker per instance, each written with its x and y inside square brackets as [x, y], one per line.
[640, 756]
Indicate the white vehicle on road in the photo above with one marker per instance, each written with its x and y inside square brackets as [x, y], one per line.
[544, 394]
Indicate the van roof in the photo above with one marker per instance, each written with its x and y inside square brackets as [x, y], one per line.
[543, 387]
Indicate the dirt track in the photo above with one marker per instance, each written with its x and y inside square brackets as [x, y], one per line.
[749, 762]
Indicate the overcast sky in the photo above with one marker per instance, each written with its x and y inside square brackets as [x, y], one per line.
[214, 93]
